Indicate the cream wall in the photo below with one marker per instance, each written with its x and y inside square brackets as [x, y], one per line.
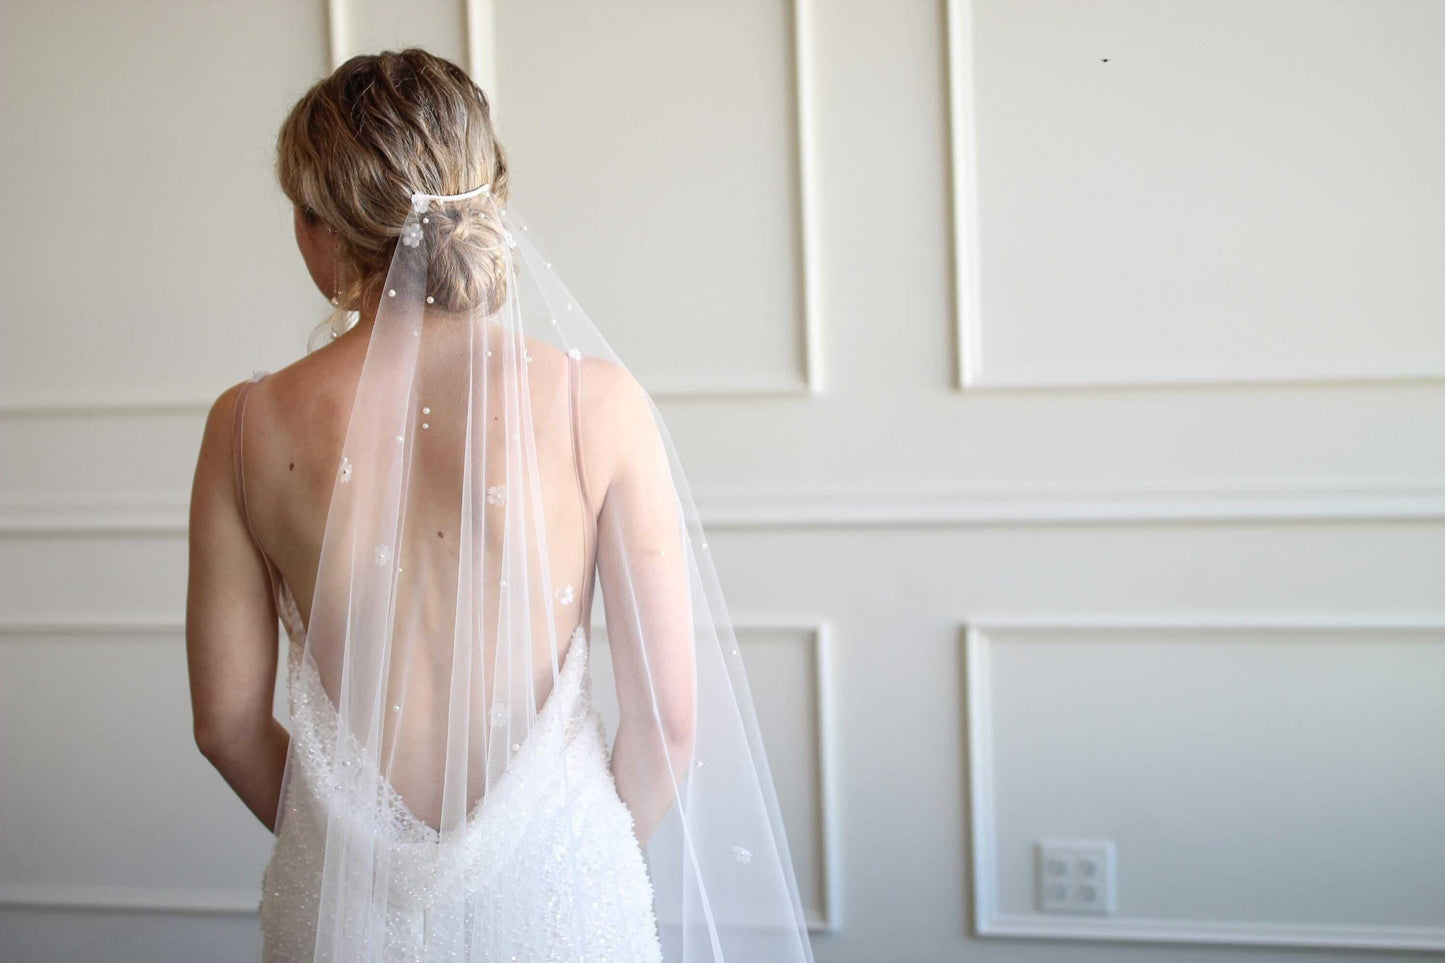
[1067, 431]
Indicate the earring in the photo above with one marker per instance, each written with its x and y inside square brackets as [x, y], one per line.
[339, 321]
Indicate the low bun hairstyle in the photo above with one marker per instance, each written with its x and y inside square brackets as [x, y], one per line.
[356, 145]
[467, 267]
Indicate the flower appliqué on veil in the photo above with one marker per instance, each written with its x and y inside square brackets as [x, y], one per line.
[564, 594]
[742, 855]
[497, 494]
[383, 555]
[345, 469]
[411, 235]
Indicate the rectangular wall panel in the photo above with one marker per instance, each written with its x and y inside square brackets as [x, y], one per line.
[1264, 781]
[148, 253]
[788, 675]
[699, 282]
[1159, 192]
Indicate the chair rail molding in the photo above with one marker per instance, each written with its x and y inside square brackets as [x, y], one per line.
[1345, 500]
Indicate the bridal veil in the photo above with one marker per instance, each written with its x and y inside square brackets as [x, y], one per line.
[471, 508]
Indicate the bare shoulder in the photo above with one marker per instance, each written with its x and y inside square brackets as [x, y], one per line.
[315, 389]
[618, 424]
[213, 483]
[614, 401]
[609, 378]
[218, 419]
[216, 439]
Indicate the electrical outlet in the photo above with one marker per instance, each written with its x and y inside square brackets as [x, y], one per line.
[1076, 876]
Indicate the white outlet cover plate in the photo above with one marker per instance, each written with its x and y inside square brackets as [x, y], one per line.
[1076, 876]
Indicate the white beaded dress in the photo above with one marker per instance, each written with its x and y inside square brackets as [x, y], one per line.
[510, 861]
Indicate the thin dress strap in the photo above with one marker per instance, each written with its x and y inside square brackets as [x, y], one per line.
[574, 396]
[238, 425]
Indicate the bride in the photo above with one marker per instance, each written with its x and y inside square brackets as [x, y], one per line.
[425, 502]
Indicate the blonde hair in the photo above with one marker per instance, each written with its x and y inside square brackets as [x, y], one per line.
[359, 142]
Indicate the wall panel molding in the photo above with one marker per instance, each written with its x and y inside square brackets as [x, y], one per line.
[809, 227]
[1343, 501]
[815, 633]
[964, 188]
[974, 373]
[138, 403]
[133, 899]
[482, 42]
[1315, 936]
[336, 38]
[980, 637]
[481, 21]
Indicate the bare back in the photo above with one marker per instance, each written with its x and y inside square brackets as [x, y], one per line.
[291, 431]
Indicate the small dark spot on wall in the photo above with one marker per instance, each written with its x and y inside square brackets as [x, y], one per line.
[293, 467]
[1104, 60]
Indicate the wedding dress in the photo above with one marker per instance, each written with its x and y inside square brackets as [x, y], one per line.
[507, 861]
[461, 783]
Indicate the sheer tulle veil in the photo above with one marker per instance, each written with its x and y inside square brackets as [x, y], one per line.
[500, 463]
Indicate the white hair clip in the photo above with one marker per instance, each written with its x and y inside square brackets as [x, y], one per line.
[421, 202]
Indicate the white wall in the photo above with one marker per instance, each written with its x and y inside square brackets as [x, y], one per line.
[1067, 429]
